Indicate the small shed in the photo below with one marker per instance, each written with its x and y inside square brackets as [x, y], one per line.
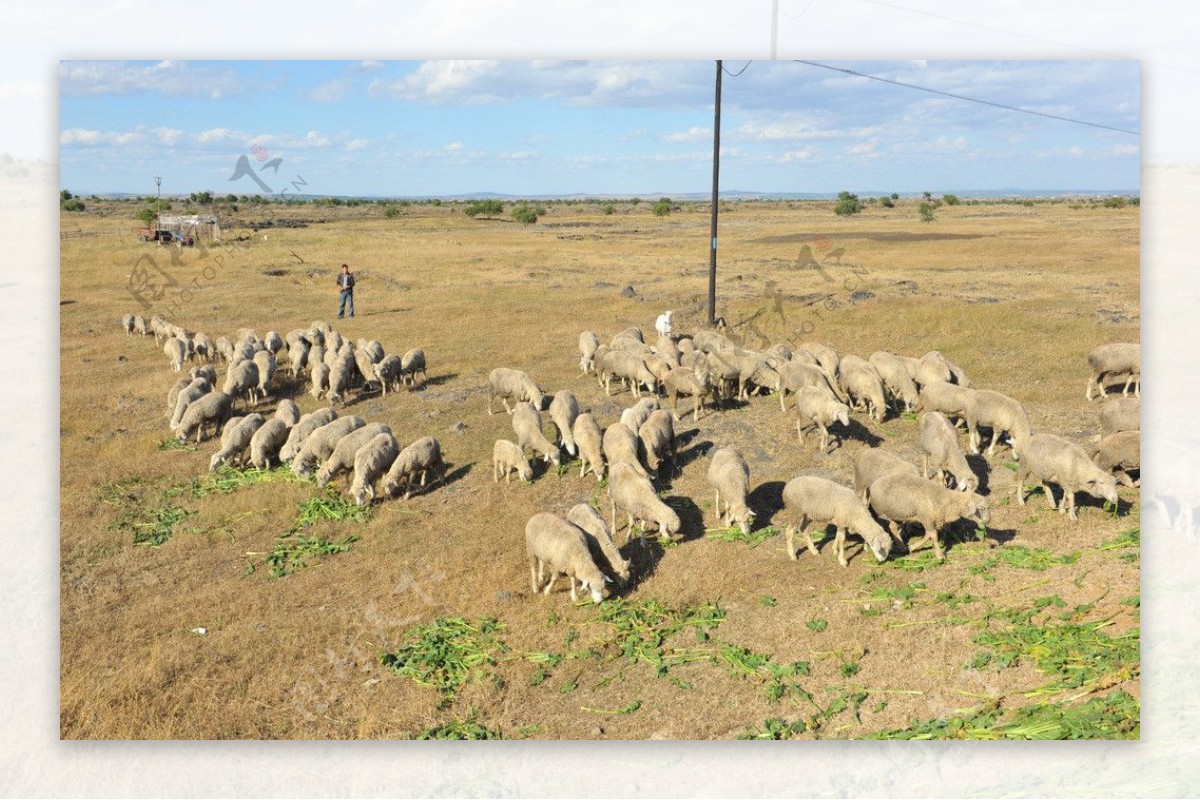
[197, 226]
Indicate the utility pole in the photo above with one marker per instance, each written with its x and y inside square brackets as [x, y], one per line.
[158, 204]
[712, 258]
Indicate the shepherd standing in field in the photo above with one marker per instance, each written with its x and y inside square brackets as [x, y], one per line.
[346, 289]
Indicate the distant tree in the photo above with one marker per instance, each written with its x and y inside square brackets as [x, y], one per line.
[74, 204]
[950, 199]
[633, 201]
[609, 209]
[147, 215]
[926, 210]
[391, 211]
[484, 208]
[201, 198]
[525, 214]
[231, 198]
[1114, 202]
[663, 207]
[887, 202]
[928, 196]
[847, 204]
[895, 196]
[64, 196]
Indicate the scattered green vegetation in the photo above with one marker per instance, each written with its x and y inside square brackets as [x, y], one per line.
[920, 562]
[447, 653]
[629, 709]
[526, 214]
[159, 527]
[641, 630]
[926, 211]
[752, 539]
[292, 552]
[847, 204]
[174, 444]
[817, 625]
[484, 208]
[1114, 716]
[467, 728]
[774, 728]
[663, 207]
[745, 663]
[766, 601]
[226, 480]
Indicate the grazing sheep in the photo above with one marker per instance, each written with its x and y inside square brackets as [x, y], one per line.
[173, 393]
[388, 373]
[895, 377]
[227, 430]
[1115, 361]
[730, 477]
[207, 372]
[160, 328]
[422, 456]
[319, 380]
[342, 458]
[341, 377]
[139, 325]
[127, 324]
[298, 352]
[288, 412]
[811, 499]
[933, 367]
[316, 355]
[224, 349]
[872, 464]
[266, 443]
[686, 345]
[948, 398]
[633, 493]
[373, 348]
[553, 544]
[694, 381]
[512, 384]
[527, 422]
[710, 341]
[235, 449]
[588, 344]
[794, 376]
[265, 361]
[621, 446]
[320, 444]
[629, 367]
[862, 384]
[634, 416]
[744, 366]
[1120, 453]
[273, 342]
[666, 349]
[371, 461]
[364, 369]
[657, 366]
[411, 363]
[1120, 414]
[564, 409]
[657, 435]
[817, 407]
[590, 442]
[599, 538]
[212, 408]
[203, 345]
[825, 355]
[940, 451]
[188, 395]
[899, 498]
[663, 323]
[999, 412]
[302, 429]
[633, 332]
[1053, 459]
[242, 380]
[176, 350]
[334, 341]
[507, 457]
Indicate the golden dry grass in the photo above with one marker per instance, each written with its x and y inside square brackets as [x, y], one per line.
[1018, 304]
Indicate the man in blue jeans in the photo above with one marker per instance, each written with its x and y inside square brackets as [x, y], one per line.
[346, 289]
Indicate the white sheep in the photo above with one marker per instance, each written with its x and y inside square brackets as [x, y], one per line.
[235, 449]
[298, 352]
[666, 349]
[863, 385]
[710, 341]
[873, 463]
[1120, 453]
[632, 332]
[319, 444]
[657, 435]
[371, 461]
[302, 429]
[212, 408]
[808, 499]
[588, 344]
[388, 373]
[204, 346]
[242, 380]
[411, 363]
[224, 349]
[948, 398]
[288, 412]
[266, 443]
[1053, 459]
[552, 544]
[896, 379]
[364, 370]
[730, 477]
[633, 493]
[694, 381]
[509, 457]
[341, 376]
[176, 350]
[127, 324]
[173, 393]
[512, 384]
[342, 458]
[933, 367]
[527, 423]
[564, 409]
[629, 367]
[196, 389]
[825, 355]
[421, 457]
[273, 342]
[373, 348]
[663, 323]
[1120, 414]
[899, 498]
[319, 380]
[999, 412]
[140, 326]
[621, 446]
[599, 538]
[818, 408]
[1121, 360]
[590, 442]
[794, 376]
[941, 452]
[265, 361]
[634, 416]
[205, 371]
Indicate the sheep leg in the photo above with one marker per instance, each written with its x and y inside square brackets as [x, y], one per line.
[782, 407]
[533, 574]
[699, 404]
[841, 546]
[996, 431]
[808, 540]
[925, 465]
[790, 533]
[574, 596]
[553, 580]
[895, 532]
[824, 438]
[1049, 494]
[799, 433]
[931, 533]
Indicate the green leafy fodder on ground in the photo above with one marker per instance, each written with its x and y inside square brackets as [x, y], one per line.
[641, 630]
[753, 539]
[226, 479]
[1074, 655]
[460, 729]
[159, 527]
[293, 551]
[447, 653]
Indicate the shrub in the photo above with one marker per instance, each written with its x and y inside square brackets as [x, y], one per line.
[950, 199]
[887, 202]
[526, 215]
[391, 211]
[926, 210]
[634, 201]
[74, 204]
[847, 204]
[663, 207]
[486, 208]
[1114, 202]
[609, 209]
[895, 196]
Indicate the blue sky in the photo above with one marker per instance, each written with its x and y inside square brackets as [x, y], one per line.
[619, 127]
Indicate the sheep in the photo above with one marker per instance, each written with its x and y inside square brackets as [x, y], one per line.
[1053, 459]
[508, 456]
[633, 493]
[334, 340]
[663, 323]
[298, 352]
[710, 341]
[808, 498]
[127, 324]
[1120, 453]
[341, 377]
[364, 369]
[628, 367]
[817, 407]
[243, 351]
[527, 423]
[371, 461]
[590, 442]
[632, 332]
[666, 349]
[234, 449]
[266, 443]
[657, 435]
[247, 335]
[899, 498]
[872, 464]
[316, 355]
[188, 395]
[1115, 361]
[564, 409]
[730, 477]
[599, 538]
[895, 377]
[744, 365]
[265, 361]
[634, 416]
[224, 348]
[422, 456]
[862, 384]
[933, 367]
[1120, 414]
[288, 412]
[173, 393]
[176, 350]
[273, 342]
[999, 412]
[139, 325]
[553, 544]
[941, 451]
[342, 457]
[794, 376]
[387, 372]
[212, 408]
[319, 380]
[588, 344]
[158, 326]
[228, 429]
[302, 429]
[948, 398]
[657, 366]
[373, 348]
[512, 384]
[242, 379]
[686, 345]
[694, 381]
[825, 355]
[319, 444]
[206, 371]
[621, 445]
[329, 357]
[411, 363]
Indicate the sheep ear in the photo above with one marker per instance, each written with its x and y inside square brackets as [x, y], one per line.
[606, 579]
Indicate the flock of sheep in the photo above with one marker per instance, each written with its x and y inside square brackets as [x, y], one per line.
[322, 441]
[888, 491]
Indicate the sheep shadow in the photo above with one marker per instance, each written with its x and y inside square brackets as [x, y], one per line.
[766, 500]
[436, 380]
[447, 478]
[982, 471]
[857, 431]
[691, 518]
[686, 456]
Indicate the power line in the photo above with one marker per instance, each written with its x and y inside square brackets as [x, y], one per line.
[739, 72]
[968, 99]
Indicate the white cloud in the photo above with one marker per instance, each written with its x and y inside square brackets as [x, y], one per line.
[330, 91]
[168, 136]
[370, 66]
[90, 78]
[803, 154]
[696, 133]
[218, 135]
[80, 136]
[356, 144]
[454, 147]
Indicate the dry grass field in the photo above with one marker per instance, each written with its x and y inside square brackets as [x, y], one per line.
[197, 606]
